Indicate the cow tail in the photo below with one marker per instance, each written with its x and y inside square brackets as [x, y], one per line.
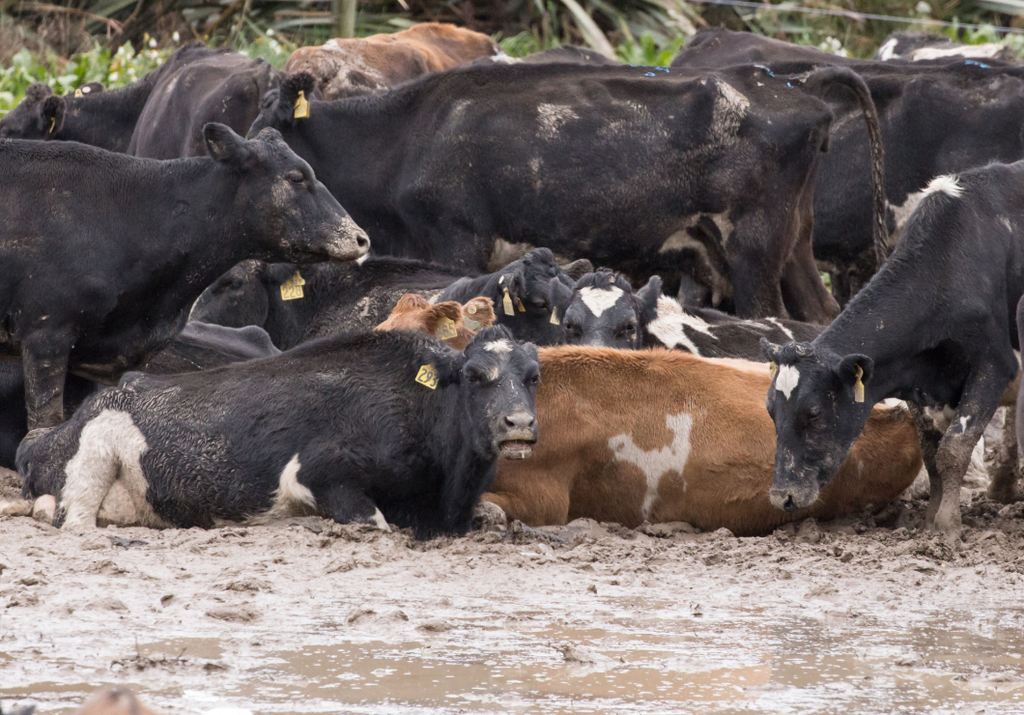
[847, 77]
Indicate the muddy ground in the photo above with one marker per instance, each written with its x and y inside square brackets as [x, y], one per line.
[865, 615]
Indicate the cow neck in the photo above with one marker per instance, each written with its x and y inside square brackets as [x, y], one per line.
[107, 119]
[456, 450]
[891, 326]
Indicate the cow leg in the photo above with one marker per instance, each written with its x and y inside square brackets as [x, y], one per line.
[977, 405]
[45, 364]
[756, 286]
[1005, 471]
[346, 505]
[929, 437]
[805, 295]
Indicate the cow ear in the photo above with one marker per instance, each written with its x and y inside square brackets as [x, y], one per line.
[293, 98]
[227, 147]
[442, 363]
[854, 369]
[770, 350]
[479, 312]
[53, 114]
[648, 298]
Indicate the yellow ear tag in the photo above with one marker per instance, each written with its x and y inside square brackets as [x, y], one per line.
[554, 317]
[445, 328]
[858, 387]
[302, 106]
[519, 303]
[773, 370]
[427, 376]
[78, 93]
[291, 289]
[53, 123]
[506, 303]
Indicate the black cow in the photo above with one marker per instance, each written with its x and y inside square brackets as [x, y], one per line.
[368, 427]
[105, 119]
[103, 254]
[649, 170]
[199, 346]
[606, 312]
[936, 327]
[206, 85]
[334, 299]
[918, 47]
[936, 119]
[565, 54]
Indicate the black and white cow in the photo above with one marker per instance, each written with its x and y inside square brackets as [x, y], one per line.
[935, 327]
[103, 254]
[697, 174]
[922, 47]
[295, 303]
[199, 346]
[378, 426]
[936, 118]
[606, 312]
[206, 85]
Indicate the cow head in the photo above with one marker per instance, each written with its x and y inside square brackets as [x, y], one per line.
[453, 323]
[278, 108]
[236, 299]
[530, 296]
[498, 379]
[40, 115]
[816, 400]
[291, 215]
[605, 312]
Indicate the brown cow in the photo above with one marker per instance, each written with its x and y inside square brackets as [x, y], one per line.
[350, 67]
[618, 427]
[455, 324]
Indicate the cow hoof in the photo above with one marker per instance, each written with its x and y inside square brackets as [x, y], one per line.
[44, 509]
[1003, 495]
[489, 517]
[18, 507]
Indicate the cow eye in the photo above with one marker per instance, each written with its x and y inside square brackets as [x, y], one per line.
[539, 303]
[533, 379]
[295, 177]
[628, 329]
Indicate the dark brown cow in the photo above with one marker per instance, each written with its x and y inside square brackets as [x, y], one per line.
[350, 67]
[661, 436]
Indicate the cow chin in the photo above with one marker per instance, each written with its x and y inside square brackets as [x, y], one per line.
[516, 446]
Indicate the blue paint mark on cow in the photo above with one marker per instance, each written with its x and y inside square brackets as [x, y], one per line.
[979, 64]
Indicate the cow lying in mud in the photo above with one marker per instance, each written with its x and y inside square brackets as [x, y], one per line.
[453, 323]
[664, 436]
[379, 426]
[605, 312]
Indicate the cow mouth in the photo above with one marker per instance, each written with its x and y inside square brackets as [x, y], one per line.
[515, 449]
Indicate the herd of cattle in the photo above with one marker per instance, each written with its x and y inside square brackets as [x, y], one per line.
[261, 362]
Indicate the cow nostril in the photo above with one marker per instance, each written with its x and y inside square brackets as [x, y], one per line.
[788, 505]
[520, 420]
[363, 241]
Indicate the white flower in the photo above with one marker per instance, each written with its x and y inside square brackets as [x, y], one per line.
[176, 37]
[120, 51]
[152, 44]
[113, 76]
[923, 8]
[270, 32]
[274, 44]
[131, 71]
[159, 61]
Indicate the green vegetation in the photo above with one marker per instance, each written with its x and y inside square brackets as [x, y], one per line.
[109, 41]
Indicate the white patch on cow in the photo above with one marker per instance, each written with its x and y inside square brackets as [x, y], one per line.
[362, 259]
[655, 464]
[786, 331]
[501, 347]
[888, 49]
[599, 300]
[787, 380]
[902, 212]
[110, 450]
[964, 421]
[987, 50]
[671, 324]
[380, 521]
[289, 490]
[502, 59]
[948, 184]
[551, 118]
[728, 113]
[1006, 222]
[940, 418]
[894, 402]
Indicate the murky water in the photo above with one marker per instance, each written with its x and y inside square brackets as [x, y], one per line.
[667, 660]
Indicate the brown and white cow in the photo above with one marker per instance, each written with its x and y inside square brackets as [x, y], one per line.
[350, 67]
[451, 322]
[662, 436]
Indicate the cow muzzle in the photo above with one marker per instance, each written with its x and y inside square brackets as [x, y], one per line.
[792, 498]
[518, 437]
[349, 242]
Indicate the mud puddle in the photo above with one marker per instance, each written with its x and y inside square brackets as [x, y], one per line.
[311, 617]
